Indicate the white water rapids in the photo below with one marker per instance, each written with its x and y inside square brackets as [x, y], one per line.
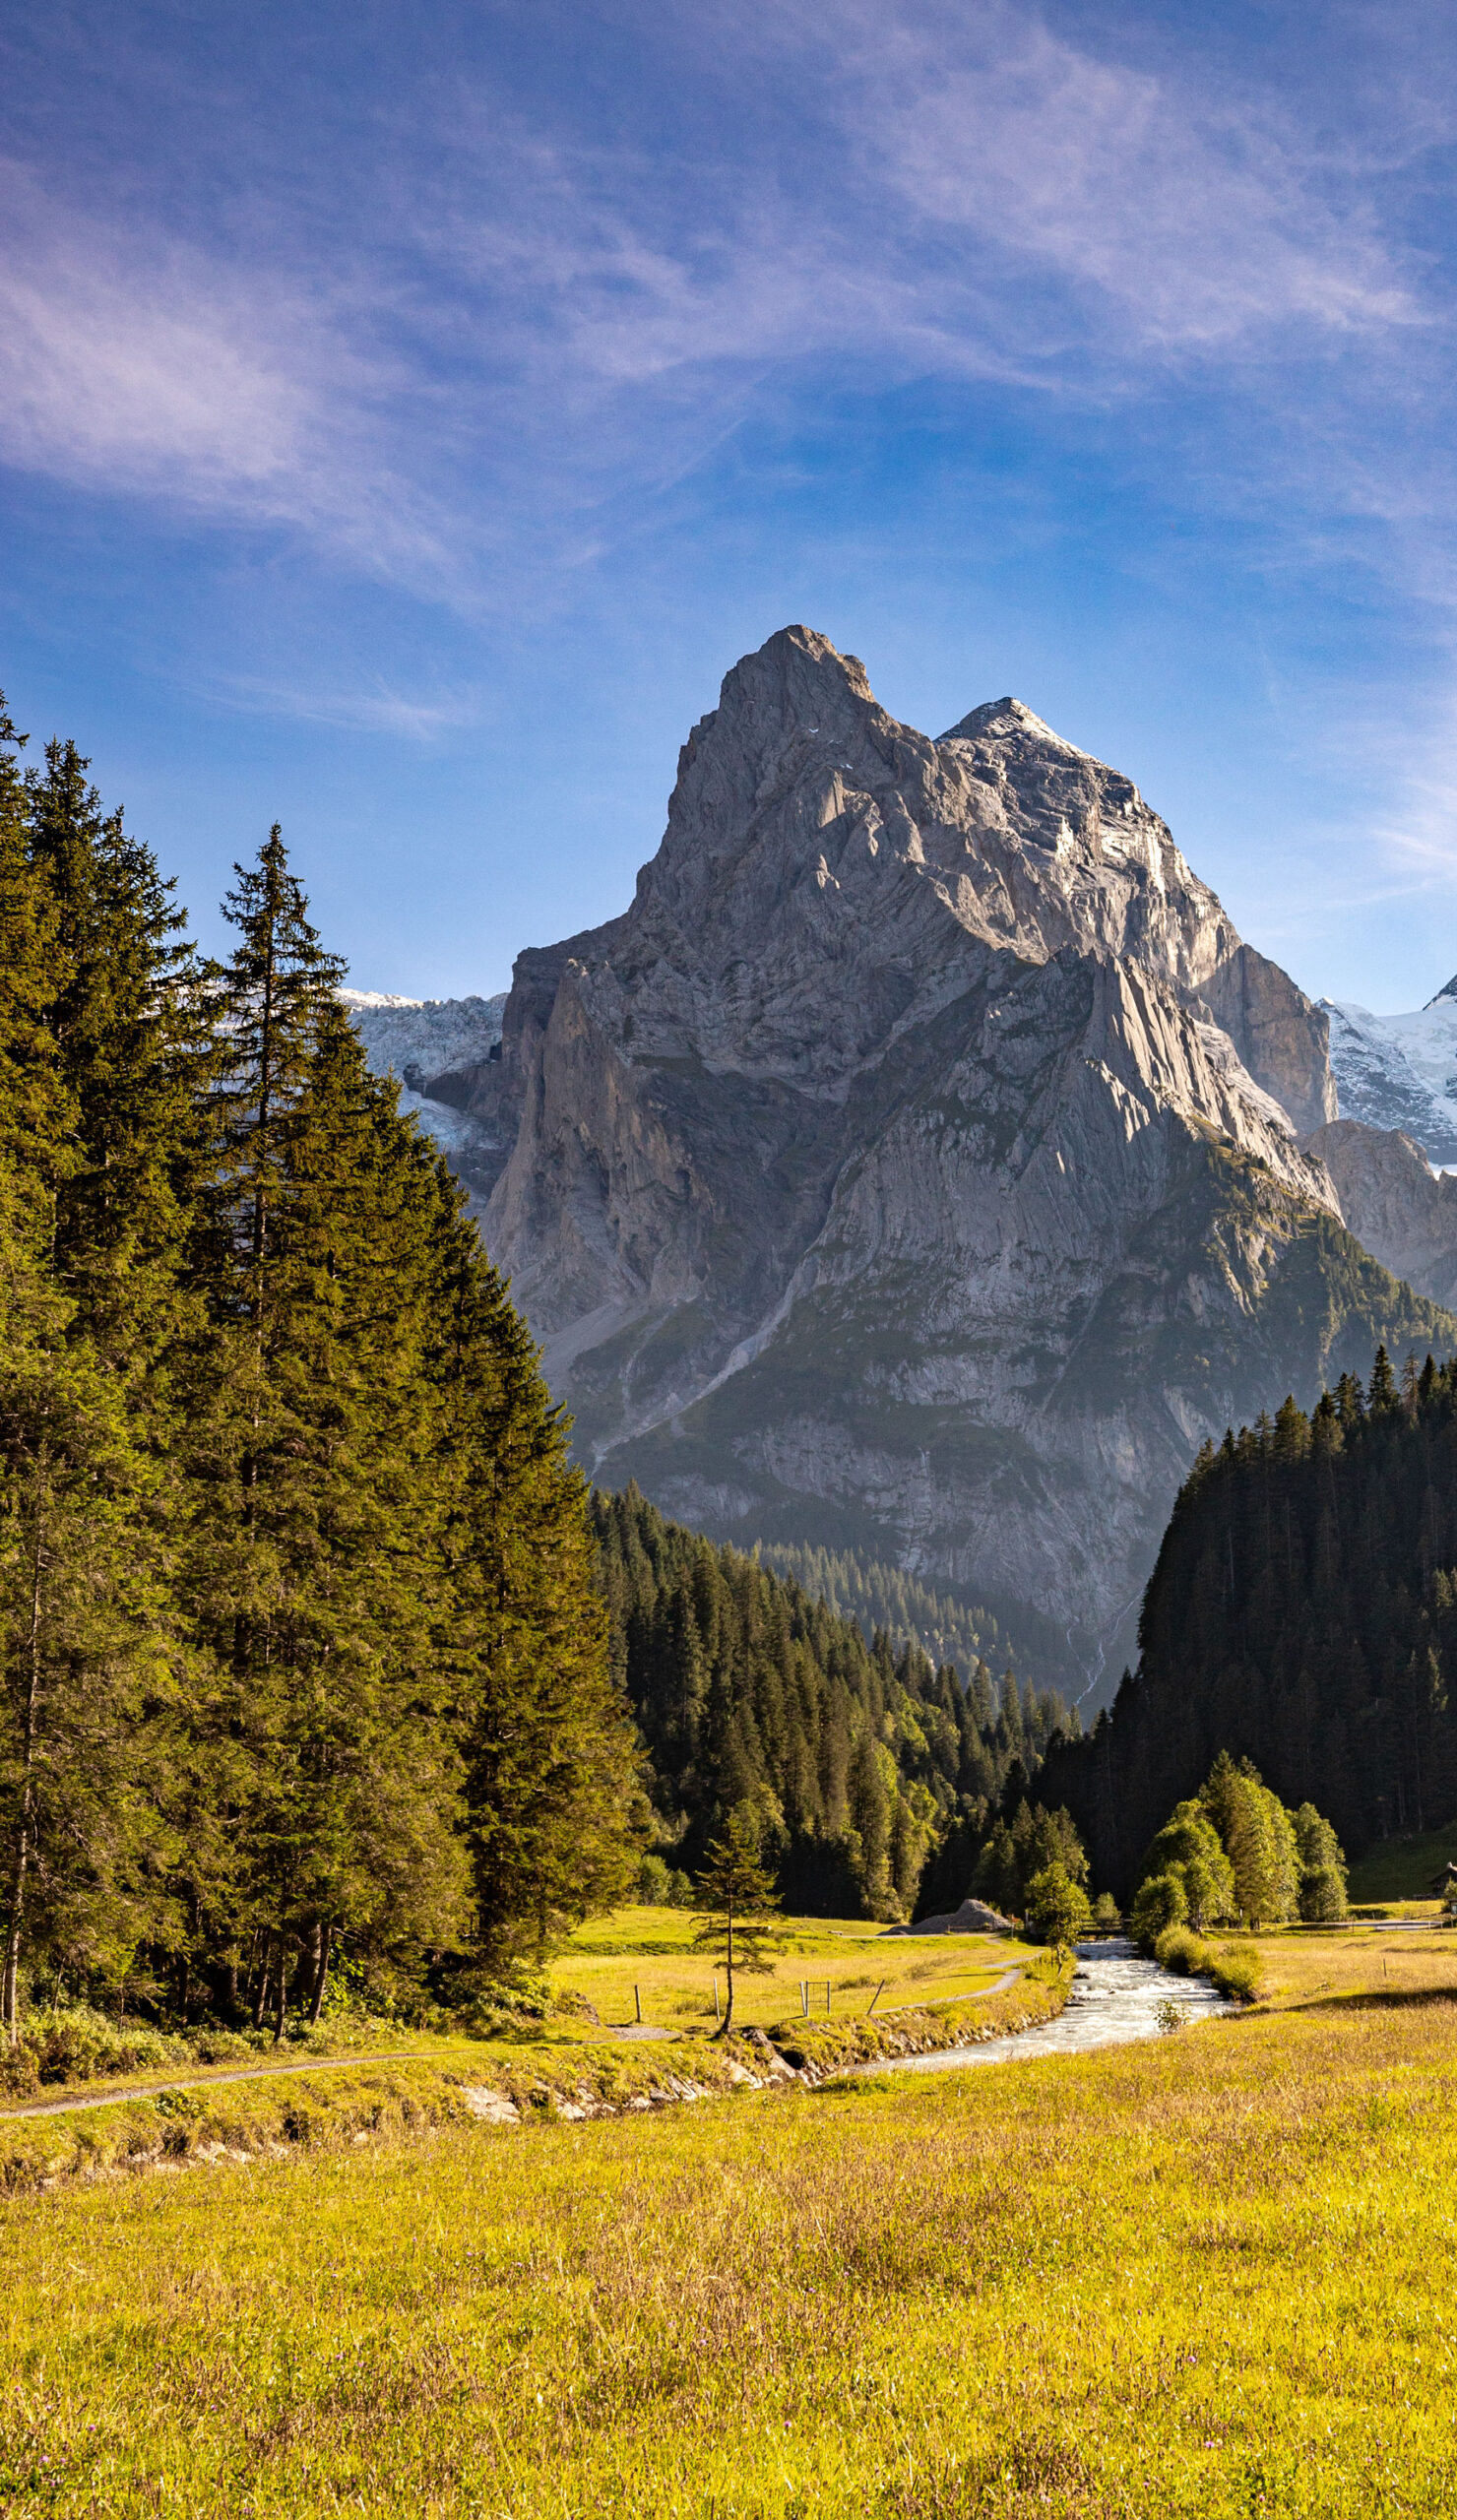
[1116, 1997]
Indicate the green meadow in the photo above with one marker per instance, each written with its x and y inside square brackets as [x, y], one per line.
[1209, 2274]
[645, 1955]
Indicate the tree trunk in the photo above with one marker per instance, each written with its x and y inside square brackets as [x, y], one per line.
[728, 2021]
[265, 1972]
[25, 1826]
[321, 1974]
[282, 1995]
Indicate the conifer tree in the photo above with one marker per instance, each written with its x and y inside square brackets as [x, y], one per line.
[132, 1046]
[81, 1658]
[556, 1808]
[313, 1567]
[82, 1663]
[738, 1914]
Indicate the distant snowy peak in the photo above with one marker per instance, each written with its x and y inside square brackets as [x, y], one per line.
[424, 1037]
[1400, 1071]
[432, 1044]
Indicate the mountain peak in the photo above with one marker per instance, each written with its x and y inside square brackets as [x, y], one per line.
[1007, 717]
[1450, 991]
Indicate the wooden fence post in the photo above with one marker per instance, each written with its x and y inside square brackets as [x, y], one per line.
[875, 1998]
[637, 1998]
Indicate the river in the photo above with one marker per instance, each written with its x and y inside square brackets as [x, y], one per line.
[1116, 1997]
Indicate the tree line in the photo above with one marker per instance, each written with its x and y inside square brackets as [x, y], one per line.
[945, 1626]
[1301, 1614]
[873, 1772]
[302, 1639]
[1235, 1853]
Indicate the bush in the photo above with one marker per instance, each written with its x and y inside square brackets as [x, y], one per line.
[1107, 1916]
[70, 2043]
[1235, 1974]
[1179, 1951]
[1160, 1904]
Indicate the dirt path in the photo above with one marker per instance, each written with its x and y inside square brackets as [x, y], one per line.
[206, 2080]
[887, 2012]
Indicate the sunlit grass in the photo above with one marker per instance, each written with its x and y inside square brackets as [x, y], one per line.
[645, 1954]
[1404, 1867]
[1211, 2274]
[1299, 1966]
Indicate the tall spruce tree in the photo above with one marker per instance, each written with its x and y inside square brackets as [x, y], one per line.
[554, 1803]
[82, 1659]
[313, 1567]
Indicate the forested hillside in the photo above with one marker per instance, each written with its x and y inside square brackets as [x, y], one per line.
[861, 1758]
[949, 1628]
[302, 1634]
[1303, 1613]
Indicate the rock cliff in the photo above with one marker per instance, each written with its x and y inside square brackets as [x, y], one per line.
[1393, 1203]
[914, 1166]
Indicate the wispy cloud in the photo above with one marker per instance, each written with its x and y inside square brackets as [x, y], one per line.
[134, 361]
[459, 386]
[371, 707]
[1194, 218]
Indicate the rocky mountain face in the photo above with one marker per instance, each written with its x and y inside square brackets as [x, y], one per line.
[1397, 1079]
[1393, 1203]
[915, 1166]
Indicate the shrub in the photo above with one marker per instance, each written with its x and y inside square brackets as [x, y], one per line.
[1235, 1974]
[1160, 1904]
[70, 2043]
[1107, 1916]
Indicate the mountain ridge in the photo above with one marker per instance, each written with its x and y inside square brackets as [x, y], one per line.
[916, 1165]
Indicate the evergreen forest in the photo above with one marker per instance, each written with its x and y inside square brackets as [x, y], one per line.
[874, 1772]
[303, 1648]
[949, 1627]
[1302, 1615]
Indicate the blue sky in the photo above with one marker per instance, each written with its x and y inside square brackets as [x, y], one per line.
[408, 415]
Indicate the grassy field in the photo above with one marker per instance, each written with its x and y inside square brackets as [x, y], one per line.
[1403, 1868]
[650, 1949]
[1213, 2274]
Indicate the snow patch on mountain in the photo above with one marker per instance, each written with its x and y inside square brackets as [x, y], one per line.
[431, 1045]
[418, 1038]
[1400, 1071]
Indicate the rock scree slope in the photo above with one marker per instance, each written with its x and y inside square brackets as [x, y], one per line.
[916, 1165]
